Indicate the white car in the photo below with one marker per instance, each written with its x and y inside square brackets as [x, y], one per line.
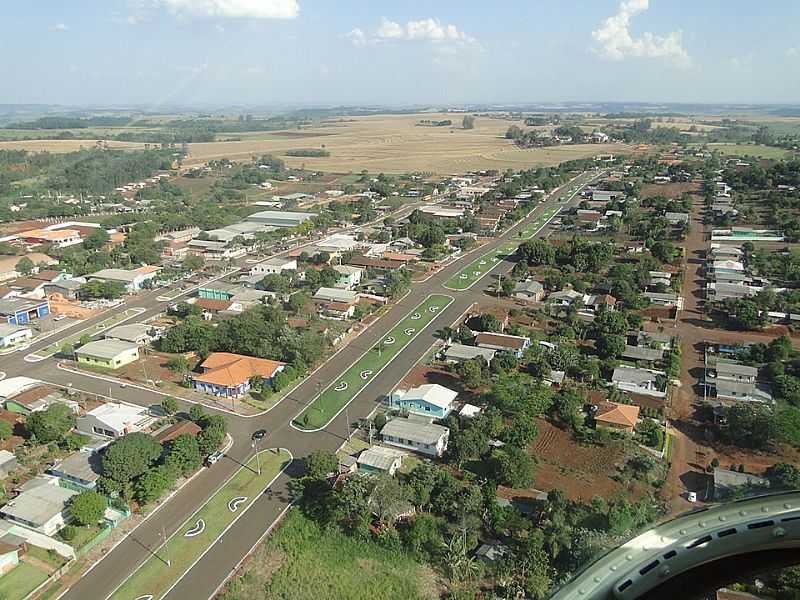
[59, 317]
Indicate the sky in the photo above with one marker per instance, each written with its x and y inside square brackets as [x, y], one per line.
[159, 53]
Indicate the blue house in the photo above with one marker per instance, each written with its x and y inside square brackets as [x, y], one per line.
[431, 400]
[19, 311]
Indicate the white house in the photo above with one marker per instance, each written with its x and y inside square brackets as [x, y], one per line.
[430, 400]
[349, 276]
[132, 279]
[273, 266]
[638, 381]
[114, 419]
[11, 335]
[425, 438]
[41, 506]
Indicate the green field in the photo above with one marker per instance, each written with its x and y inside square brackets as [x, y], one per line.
[302, 560]
[20, 582]
[154, 576]
[339, 393]
[533, 228]
[103, 325]
[754, 150]
[469, 275]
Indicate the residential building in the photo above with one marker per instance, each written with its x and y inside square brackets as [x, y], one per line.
[12, 335]
[425, 438]
[108, 353]
[37, 398]
[184, 427]
[502, 341]
[349, 276]
[132, 279]
[440, 212]
[18, 311]
[643, 353]
[722, 291]
[740, 391]
[615, 416]
[79, 471]
[337, 243]
[338, 311]
[60, 238]
[639, 381]
[459, 352]
[676, 218]
[378, 460]
[529, 290]
[8, 462]
[114, 420]
[325, 294]
[733, 371]
[273, 266]
[430, 400]
[134, 333]
[43, 506]
[279, 218]
[216, 250]
[667, 300]
[68, 288]
[726, 482]
[606, 195]
[228, 375]
[653, 339]
[9, 557]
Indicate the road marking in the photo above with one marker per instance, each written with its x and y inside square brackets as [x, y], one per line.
[365, 374]
[433, 308]
[340, 387]
[236, 502]
[145, 597]
[409, 331]
[389, 340]
[416, 317]
[198, 528]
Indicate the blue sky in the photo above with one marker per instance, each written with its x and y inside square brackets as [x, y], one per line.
[323, 52]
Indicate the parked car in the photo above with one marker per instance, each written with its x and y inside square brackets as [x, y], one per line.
[214, 458]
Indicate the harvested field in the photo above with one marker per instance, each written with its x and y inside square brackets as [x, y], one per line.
[63, 146]
[581, 472]
[394, 144]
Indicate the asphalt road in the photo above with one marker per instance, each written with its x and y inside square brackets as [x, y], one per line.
[204, 577]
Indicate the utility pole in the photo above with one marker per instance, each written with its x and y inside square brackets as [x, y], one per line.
[258, 458]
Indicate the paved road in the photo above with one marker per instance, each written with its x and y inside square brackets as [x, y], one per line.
[204, 578]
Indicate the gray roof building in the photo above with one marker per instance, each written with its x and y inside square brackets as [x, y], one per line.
[137, 333]
[80, 468]
[108, 349]
[380, 459]
[459, 352]
[732, 370]
[420, 432]
[643, 353]
[279, 218]
[726, 481]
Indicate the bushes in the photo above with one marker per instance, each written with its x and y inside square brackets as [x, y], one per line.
[52, 424]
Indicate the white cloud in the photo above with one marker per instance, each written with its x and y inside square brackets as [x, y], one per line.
[793, 52]
[254, 9]
[616, 42]
[424, 30]
[60, 27]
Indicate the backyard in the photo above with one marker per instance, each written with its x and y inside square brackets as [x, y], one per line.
[338, 394]
[200, 531]
[302, 561]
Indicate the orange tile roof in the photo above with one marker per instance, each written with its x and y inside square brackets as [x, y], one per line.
[399, 256]
[44, 234]
[213, 305]
[618, 414]
[225, 368]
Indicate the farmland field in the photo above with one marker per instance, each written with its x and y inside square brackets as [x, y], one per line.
[754, 150]
[63, 146]
[341, 392]
[394, 144]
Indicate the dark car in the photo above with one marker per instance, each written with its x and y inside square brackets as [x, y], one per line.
[260, 434]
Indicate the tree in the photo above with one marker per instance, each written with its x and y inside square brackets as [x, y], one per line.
[197, 413]
[169, 405]
[51, 424]
[468, 122]
[152, 484]
[470, 372]
[129, 457]
[25, 266]
[609, 346]
[213, 434]
[87, 508]
[194, 262]
[663, 251]
[488, 322]
[6, 430]
[275, 282]
[320, 464]
[96, 239]
[183, 455]
[387, 498]
[784, 476]
[513, 466]
[110, 290]
[178, 364]
[537, 252]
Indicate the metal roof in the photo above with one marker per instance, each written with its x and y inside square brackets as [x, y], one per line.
[423, 433]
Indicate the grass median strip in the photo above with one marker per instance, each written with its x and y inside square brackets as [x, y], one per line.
[200, 531]
[470, 274]
[532, 229]
[339, 393]
[103, 325]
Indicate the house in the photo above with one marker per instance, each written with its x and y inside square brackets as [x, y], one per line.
[667, 300]
[18, 311]
[643, 353]
[734, 372]
[469, 411]
[726, 482]
[273, 266]
[8, 462]
[12, 335]
[598, 302]
[135, 333]
[425, 438]
[529, 290]
[515, 344]
[279, 218]
[378, 460]
[638, 381]
[228, 375]
[719, 291]
[615, 416]
[459, 352]
[654, 339]
[79, 471]
[325, 294]
[430, 400]
[349, 276]
[564, 297]
[9, 557]
[676, 218]
[740, 391]
[68, 288]
[606, 195]
[108, 353]
[60, 238]
[339, 311]
[720, 252]
[184, 427]
[589, 219]
[132, 279]
[216, 250]
[37, 398]
[42, 506]
[659, 278]
[114, 420]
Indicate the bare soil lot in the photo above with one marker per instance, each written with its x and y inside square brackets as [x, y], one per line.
[394, 144]
[669, 190]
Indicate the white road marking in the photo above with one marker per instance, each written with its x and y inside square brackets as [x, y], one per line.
[198, 528]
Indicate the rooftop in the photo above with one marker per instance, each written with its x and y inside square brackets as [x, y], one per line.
[378, 457]
[108, 348]
[463, 352]
[80, 465]
[228, 369]
[505, 340]
[423, 433]
[432, 393]
[617, 414]
[39, 503]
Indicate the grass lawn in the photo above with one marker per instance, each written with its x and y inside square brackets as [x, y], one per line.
[533, 228]
[103, 325]
[56, 561]
[473, 272]
[21, 581]
[84, 535]
[301, 561]
[754, 150]
[154, 577]
[339, 393]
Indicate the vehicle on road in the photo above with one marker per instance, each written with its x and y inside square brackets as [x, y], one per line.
[213, 459]
[59, 317]
[123, 384]
[259, 434]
